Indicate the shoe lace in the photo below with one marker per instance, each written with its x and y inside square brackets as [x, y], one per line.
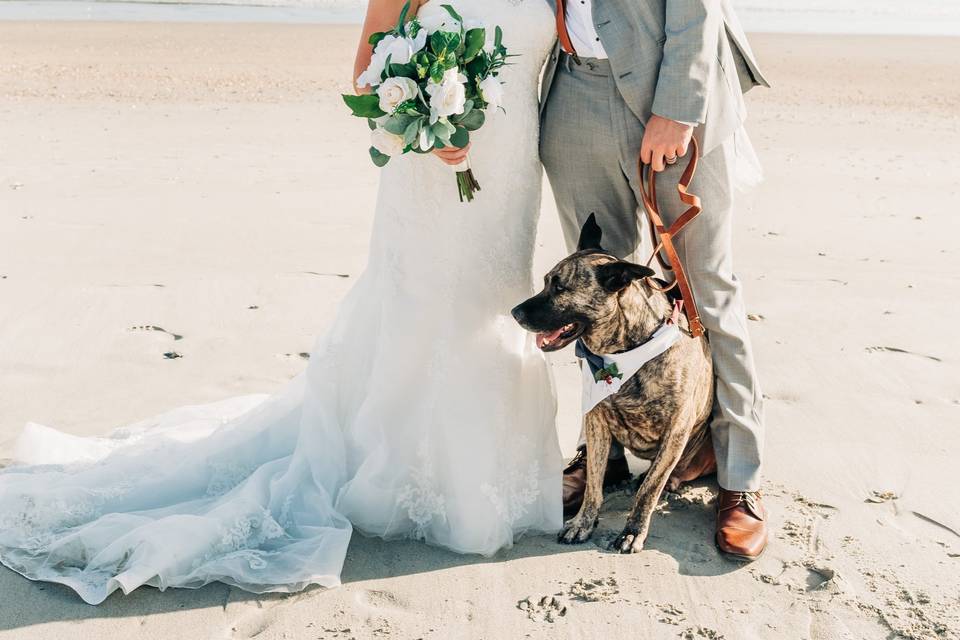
[747, 498]
[577, 461]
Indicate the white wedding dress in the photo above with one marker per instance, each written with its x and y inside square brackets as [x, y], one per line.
[425, 412]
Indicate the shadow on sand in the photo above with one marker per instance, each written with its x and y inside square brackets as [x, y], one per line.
[682, 530]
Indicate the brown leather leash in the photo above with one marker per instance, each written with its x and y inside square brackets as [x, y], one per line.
[663, 236]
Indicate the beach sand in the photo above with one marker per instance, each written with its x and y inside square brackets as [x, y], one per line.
[197, 189]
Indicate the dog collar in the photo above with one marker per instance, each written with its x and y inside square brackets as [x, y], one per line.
[604, 375]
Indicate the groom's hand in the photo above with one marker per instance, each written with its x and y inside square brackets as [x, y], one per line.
[664, 140]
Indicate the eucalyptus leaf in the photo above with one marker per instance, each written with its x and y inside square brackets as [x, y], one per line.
[398, 123]
[441, 132]
[379, 159]
[431, 138]
[473, 120]
[460, 138]
[411, 132]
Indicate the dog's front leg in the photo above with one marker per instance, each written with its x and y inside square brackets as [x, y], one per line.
[579, 528]
[638, 523]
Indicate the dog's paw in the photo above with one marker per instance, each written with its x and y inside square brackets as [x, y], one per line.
[577, 530]
[630, 541]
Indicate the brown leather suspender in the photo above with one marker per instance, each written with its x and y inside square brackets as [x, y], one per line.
[663, 236]
[565, 42]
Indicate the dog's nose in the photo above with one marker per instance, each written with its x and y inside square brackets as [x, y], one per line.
[518, 313]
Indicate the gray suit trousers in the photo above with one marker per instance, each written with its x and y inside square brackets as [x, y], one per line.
[589, 144]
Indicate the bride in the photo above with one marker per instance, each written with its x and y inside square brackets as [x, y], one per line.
[425, 412]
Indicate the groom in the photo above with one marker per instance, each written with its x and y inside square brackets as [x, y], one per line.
[641, 77]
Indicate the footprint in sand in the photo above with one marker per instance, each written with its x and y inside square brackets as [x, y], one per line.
[152, 327]
[544, 609]
[701, 633]
[381, 601]
[597, 590]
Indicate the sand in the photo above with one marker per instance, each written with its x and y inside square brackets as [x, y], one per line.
[204, 179]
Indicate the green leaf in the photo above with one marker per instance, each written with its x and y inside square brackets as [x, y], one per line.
[375, 38]
[379, 159]
[453, 13]
[460, 138]
[408, 70]
[364, 106]
[411, 132]
[498, 38]
[401, 23]
[474, 43]
[441, 132]
[397, 124]
[473, 120]
[438, 42]
[478, 67]
[372, 124]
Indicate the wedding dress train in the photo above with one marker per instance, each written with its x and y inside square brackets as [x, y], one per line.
[425, 412]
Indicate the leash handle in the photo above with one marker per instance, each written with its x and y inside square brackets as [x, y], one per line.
[662, 236]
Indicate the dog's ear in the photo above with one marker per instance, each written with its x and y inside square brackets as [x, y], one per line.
[590, 234]
[617, 276]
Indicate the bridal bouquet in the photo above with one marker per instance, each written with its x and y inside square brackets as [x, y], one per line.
[432, 80]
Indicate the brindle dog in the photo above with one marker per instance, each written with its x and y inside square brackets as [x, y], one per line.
[661, 413]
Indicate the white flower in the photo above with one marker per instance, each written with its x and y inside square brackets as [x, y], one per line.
[387, 143]
[447, 97]
[439, 21]
[397, 49]
[491, 90]
[395, 91]
[418, 43]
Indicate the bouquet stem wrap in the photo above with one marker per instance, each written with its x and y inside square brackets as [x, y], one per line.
[466, 181]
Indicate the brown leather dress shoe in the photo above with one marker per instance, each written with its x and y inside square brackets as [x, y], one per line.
[575, 479]
[741, 524]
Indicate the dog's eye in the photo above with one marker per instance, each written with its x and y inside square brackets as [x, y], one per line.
[558, 287]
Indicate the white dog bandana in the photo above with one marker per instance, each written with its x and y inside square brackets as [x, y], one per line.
[604, 375]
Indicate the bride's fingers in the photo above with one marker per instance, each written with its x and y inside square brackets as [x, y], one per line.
[452, 155]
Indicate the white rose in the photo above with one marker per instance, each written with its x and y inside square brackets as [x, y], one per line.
[397, 49]
[395, 91]
[491, 90]
[386, 143]
[447, 97]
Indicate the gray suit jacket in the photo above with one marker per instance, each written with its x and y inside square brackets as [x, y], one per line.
[687, 60]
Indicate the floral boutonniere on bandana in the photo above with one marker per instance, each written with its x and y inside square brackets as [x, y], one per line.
[608, 373]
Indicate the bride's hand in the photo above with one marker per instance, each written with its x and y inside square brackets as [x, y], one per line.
[452, 155]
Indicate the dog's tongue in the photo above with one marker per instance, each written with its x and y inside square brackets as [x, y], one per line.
[545, 338]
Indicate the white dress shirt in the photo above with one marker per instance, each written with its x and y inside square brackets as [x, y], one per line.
[583, 34]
